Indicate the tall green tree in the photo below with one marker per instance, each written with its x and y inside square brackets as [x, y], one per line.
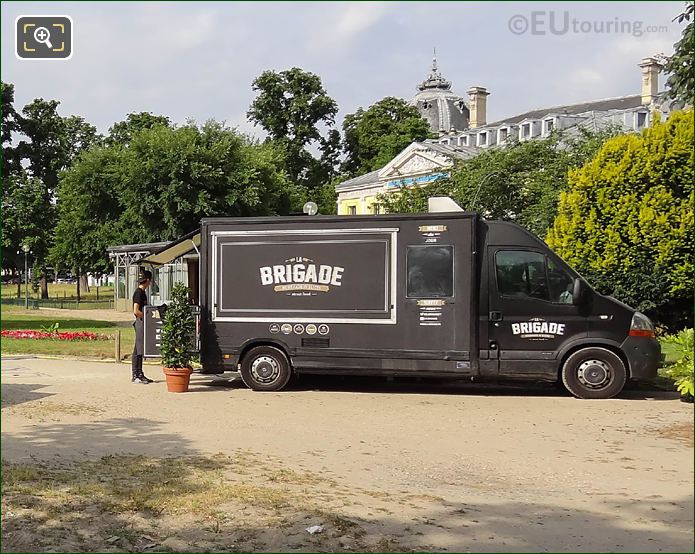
[170, 178]
[373, 137]
[521, 182]
[295, 110]
[48, 145]
[679, 66]
[123, 131]
[25, 212]
[89, 212]
[626, 221]
[10, 125]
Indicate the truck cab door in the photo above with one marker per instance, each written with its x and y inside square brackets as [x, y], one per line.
[531, 314]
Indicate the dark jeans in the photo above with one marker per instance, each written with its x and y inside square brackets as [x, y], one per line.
[137, 366]
[138, 349]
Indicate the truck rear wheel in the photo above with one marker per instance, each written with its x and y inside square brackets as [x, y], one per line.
[265, 368]
[594, 373]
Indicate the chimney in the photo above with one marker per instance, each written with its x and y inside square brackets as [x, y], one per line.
[478, 106]
[650, 80]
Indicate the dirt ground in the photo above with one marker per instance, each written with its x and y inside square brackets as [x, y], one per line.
[92, 462]
[101, 315]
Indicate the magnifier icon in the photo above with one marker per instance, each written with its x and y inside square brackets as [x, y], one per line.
[43, 36]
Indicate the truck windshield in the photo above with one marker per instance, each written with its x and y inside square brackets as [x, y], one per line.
[527, 274]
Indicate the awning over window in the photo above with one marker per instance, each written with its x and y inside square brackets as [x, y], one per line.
[180, 247]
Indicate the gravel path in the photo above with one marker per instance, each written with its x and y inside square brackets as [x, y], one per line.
[485, 468]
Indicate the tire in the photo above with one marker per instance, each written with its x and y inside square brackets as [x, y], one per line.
[265, 368]
[594, 373]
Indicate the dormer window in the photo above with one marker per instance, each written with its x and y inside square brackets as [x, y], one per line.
[641, 119]
[503, 134]
[526, 130]
[463, 140]
[482, 139]
[549, 125]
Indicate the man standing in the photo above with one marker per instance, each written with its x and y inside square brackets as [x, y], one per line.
[139, 303]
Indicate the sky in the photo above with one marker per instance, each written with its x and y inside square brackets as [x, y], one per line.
[196, 60]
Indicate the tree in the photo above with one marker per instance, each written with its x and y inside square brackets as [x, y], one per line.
[10, 125]
[89, 213]
[626, 221]
[679, 66]
[53, 143]
[123, 131]
[374, 136]
[170, 178]
[521, 182]
[293, 107]
[25, 212]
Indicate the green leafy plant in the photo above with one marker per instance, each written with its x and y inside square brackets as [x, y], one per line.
[52, 329]
[681, 370]
[178, 330]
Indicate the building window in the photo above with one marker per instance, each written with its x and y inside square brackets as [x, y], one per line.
[482, 139]
[463, 141]
[526, 130]
[445, 141]
[352, 210]
[503, 134]
[641, 119]
[549, 125]
[430, 271]
[376, 209]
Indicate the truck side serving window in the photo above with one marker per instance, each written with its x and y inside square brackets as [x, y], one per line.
[430, 271]
[521, 274]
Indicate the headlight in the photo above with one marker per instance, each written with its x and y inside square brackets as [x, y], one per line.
[640, 326]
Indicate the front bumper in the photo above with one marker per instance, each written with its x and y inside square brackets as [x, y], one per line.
[643, 355]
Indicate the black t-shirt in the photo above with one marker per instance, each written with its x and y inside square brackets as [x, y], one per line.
[140, 297]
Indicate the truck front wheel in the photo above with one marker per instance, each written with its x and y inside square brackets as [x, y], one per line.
[594, 373]
[265, 368]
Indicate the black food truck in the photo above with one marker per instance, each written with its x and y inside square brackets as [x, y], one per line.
[444, 294]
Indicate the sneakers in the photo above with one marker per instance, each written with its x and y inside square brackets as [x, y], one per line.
[147, 379]
[141, 381]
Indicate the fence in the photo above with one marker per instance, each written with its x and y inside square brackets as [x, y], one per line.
[60, 303]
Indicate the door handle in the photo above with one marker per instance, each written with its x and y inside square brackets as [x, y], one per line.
[495, 316]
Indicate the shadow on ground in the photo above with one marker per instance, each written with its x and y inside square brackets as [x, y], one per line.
[17, 393]
[403, 385]
[98, 438]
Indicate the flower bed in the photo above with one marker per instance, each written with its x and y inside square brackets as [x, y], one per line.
[69, 336]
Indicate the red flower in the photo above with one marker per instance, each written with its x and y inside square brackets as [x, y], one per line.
[68, 336]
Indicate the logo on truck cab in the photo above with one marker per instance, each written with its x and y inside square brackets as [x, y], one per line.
[538, 329]
[301, 275]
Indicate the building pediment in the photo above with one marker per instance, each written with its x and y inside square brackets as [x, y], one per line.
[417, 159]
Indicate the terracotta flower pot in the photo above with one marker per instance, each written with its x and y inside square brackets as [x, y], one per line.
[177, 378]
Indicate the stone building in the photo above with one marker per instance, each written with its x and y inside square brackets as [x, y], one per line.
[463, 131]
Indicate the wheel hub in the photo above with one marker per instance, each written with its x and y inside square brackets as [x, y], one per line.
[265, 369]
[594, 373]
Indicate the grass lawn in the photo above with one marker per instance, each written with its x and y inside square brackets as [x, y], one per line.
[105, 349]
[61, 290]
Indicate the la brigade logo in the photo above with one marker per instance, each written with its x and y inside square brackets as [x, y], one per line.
[301, 277]
[538, 329]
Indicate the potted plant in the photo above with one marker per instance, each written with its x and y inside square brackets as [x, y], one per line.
[177, 334]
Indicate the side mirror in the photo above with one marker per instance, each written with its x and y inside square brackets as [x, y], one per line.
[577, 291]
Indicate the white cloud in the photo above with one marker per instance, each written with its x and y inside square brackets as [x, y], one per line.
[344, 23]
